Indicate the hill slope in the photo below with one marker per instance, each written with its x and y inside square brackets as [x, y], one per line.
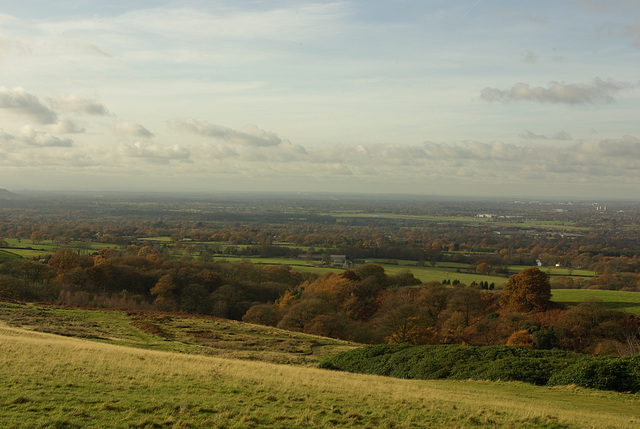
[54, 381]
[181, 333]
[70, 381]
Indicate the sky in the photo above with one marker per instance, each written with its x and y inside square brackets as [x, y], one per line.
[427, 97]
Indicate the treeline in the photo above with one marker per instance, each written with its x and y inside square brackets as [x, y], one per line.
[111, 279]
[368, 306]
[364, 304]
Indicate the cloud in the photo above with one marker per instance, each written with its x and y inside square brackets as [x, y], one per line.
[597, 150]
[466, 164]
[6, 137]
[66, 126]
[20, 101]
[556, 92]
[82, 105]
[127, 128]
[30, 136]
[560, 135]
[252, 136]
[155, 153]
[585, 161]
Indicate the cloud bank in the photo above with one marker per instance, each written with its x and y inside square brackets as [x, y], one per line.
[154, 153]
[600, 91]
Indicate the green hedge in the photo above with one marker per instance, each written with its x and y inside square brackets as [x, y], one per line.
[506, 363]
[606, 373]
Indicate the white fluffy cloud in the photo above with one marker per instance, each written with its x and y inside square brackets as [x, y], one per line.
[155, 153]
[30, 136]
[599, 91]
[66, 126]
[127, 128]
[81, 105]
[20, 101]
[252, 136]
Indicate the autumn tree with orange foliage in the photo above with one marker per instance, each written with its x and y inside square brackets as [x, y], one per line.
[529, 290]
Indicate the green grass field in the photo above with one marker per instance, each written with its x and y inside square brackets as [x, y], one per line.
[88, 379]
[427, 273]
[26, 248]
[170, 332]
[618, 300]
[497, 222]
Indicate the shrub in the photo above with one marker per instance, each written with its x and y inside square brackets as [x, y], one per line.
[621, 374]
[507, 363]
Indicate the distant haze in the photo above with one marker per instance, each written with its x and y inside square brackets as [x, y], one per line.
[467, 98]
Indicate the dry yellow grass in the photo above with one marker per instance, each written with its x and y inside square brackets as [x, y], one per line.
[53, 381]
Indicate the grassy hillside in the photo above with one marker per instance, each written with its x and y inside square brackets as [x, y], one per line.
[54, 381]
[69, 381]
[617, 300]
[170, 332]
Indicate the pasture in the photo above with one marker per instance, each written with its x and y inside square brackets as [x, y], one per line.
[173, 332]
[511, 222]
[61, 381]
[613, 299]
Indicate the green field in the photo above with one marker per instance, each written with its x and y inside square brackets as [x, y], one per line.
[439, 272]
[86, 377]
[170, 332]
[498, 222]
[26, 248]
[618, 300]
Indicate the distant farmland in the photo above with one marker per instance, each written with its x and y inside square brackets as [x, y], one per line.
[618, 300]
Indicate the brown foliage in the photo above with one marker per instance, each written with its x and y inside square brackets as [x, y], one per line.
[521, 338]
[264, 314]
[529, 290]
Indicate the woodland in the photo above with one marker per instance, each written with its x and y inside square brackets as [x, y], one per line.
[270, 260]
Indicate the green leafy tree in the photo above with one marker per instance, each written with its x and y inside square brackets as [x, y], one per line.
[529, 290]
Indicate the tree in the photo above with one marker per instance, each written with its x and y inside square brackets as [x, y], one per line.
[64, 260]
[467, 302]
[483, 268]
[164, 290]
[37, 237]
[529, 290]
[262, 314]
[194, 298]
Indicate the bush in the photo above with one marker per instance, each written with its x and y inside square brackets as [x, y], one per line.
[506, 363]
[621, 374]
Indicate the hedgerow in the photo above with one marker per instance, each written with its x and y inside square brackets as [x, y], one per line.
[495, 363]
